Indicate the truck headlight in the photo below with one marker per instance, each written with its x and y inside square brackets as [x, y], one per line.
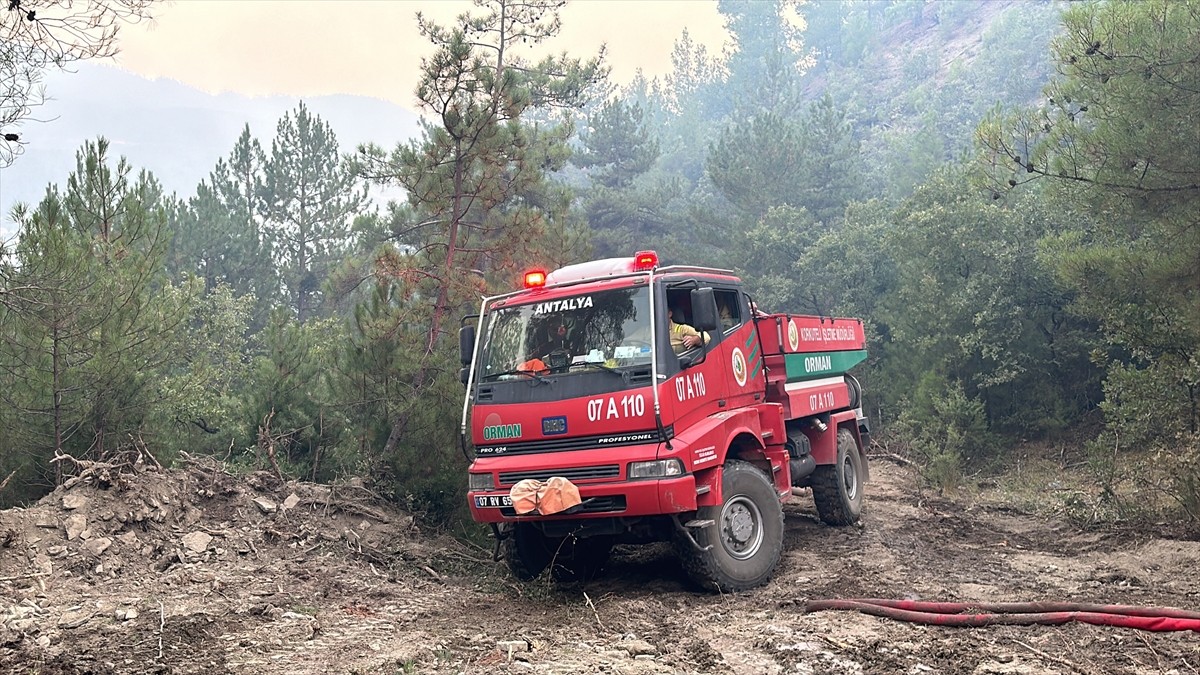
[659, 468]
[480, 481]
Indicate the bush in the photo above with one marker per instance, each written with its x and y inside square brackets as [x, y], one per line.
[1147, 462]
[946, 430]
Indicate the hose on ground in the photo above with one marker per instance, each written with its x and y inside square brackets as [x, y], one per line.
[973, 615]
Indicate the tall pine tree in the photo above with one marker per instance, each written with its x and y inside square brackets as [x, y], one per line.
[310, 197]
[477, 177]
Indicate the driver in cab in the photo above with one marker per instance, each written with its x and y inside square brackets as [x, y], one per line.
[555, 335]
[683, 336]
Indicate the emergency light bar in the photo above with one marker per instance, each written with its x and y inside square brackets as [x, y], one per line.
[645, 260]
[535, 279]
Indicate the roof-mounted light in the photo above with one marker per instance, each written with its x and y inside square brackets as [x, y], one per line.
[645, 260]
[535, 279]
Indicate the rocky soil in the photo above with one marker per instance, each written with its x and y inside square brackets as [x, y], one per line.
[199, 571]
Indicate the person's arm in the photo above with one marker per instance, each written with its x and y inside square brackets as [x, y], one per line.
[691, 337]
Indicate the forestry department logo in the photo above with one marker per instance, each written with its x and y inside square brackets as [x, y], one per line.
[793, 335]
[739, 366]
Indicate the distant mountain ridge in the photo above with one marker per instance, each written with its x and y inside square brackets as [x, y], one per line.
[175, 131]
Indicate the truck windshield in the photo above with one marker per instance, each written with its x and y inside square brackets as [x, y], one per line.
[594, 332]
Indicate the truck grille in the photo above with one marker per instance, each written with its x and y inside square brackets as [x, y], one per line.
[611, 504]
[578, 443]
[579, 473]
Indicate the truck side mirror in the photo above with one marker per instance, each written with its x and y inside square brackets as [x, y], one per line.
[704, 310]
[466, 344]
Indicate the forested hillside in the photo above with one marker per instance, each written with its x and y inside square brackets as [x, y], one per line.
[1006, 192]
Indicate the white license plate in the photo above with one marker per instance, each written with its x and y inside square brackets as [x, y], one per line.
[492, 501]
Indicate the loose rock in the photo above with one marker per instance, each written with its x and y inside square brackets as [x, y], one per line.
[638, 647]
[197, 541]
[74, 618]
[73, 501]
[291, 502]
[97, 546]
[75, 526]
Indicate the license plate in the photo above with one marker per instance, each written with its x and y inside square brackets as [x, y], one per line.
[492, 501]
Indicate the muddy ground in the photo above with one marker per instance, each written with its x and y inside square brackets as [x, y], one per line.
[185, 572]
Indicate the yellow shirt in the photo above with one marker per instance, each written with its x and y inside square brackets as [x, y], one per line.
[681, 330]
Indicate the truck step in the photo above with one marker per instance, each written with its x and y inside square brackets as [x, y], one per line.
[699, 523]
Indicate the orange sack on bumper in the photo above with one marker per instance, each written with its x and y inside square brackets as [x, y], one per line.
[553, 496]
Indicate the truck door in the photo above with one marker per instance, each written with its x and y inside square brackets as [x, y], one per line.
[700, 389]
[739, 358]
[731, 375]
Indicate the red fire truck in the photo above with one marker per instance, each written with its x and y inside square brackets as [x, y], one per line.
[583, 375]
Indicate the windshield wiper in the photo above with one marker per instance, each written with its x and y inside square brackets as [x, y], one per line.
[622, 371]
[518, 371]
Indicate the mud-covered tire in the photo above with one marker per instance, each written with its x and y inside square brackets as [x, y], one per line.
[528, 551]
[838, 488]
[581, 559]
[746, 540]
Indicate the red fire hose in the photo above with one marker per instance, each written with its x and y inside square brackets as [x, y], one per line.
[964, 614]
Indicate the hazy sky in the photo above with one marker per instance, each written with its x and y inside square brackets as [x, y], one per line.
[372, 48]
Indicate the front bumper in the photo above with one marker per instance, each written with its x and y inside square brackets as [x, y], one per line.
[649, 497]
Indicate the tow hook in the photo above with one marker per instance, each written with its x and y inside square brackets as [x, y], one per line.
[686, 531]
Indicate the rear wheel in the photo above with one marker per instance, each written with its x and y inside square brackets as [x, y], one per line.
[838, 489]
[745, 540]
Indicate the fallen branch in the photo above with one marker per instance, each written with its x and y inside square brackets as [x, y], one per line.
[1157, 658]
[4, 483]
[30, 575]
[595, 613]
[144, 450]
[267, 442]
[836, 643]
[893, 457]
[1053, 659]
[346, 506]
[162, 623]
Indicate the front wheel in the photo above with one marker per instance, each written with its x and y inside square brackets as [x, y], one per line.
[838, 489]
[581, 559]
[528, 551]
[745, 540]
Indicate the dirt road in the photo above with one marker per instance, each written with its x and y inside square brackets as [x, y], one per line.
[184, 572]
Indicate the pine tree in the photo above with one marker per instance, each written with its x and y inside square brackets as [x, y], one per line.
[477, 178]
[1117, 140]
[239, 182]
[624, 203]
[218, 234]
[97, 321]
[767, 60]
[311, 195]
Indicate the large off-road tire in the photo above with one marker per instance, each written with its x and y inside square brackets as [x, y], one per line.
[746, 539]
[528, 551]
[838, 488]
[580, 559]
